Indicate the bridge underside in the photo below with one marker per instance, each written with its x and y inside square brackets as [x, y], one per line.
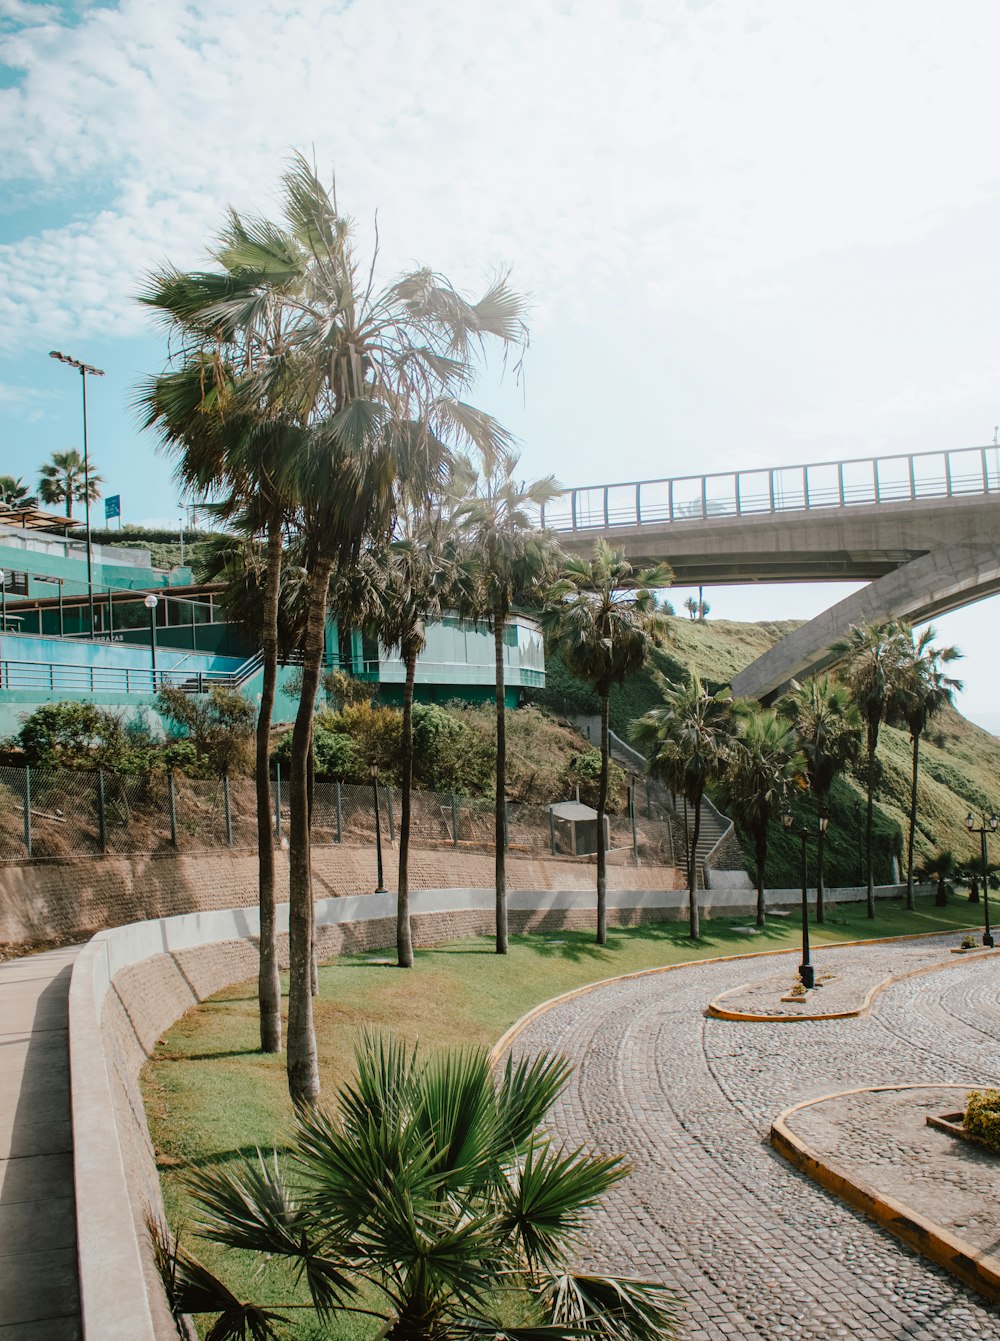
[920, 559]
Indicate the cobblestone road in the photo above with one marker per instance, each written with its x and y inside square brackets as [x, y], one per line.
[757, 1250]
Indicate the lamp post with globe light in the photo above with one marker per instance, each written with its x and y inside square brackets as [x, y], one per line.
[380, 886]
[986, 826]
[150, 602]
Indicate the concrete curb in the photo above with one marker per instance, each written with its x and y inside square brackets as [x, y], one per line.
[722, 1013]
[971, 1266]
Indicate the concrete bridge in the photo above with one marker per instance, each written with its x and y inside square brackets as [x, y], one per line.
[922, 530]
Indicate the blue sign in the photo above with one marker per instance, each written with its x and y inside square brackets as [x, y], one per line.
[112, 507]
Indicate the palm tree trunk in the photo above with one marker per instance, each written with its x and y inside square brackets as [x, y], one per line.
[268, 982]
[302, 1062]
[913, 821]
[869, 822]
[404, 939]
[500, 818]
[820, 887]
[311, 784]
[602, 805]
[693, 869]
[760, 852]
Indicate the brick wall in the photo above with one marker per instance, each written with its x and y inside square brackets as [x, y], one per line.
[68, 902]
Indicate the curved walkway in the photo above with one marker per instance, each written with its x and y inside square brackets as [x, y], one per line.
[39, 1298]
[759, 1252]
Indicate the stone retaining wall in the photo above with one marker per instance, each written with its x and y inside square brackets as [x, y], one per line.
[42, 904]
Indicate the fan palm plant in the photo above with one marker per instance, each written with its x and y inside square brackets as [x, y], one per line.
[515, 563]
[602, 616]
[764, 767]
[64, 479]
[873, 660]
[828, 726]
[15, 493]
[924, 690]
[687, 739]
[429, 1200]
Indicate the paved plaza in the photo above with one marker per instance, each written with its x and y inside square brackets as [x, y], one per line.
[757, 1251]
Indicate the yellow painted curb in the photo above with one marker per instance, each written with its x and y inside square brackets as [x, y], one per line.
[507, 1039]
[973, 1267]
[721, 1013]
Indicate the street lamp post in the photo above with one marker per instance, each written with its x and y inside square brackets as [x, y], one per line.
[986, 826]
[380, 887]
[807, 973]
[84, 368]
[3, 601]
[151, 603]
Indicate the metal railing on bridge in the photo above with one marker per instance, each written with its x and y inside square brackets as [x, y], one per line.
[825, 484]
[66, 677]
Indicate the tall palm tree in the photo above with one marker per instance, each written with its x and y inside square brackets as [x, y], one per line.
[421, 576]
[515, 563]
[62, 480]
[873, 659]
[687, 739]
[828, 725]
[229, 439]
[14, 492]
[765, 765]
[379, 373]
[432, 1200]
[924, 690]
[602, 615]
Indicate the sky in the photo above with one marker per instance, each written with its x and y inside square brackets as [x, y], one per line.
[751, 233]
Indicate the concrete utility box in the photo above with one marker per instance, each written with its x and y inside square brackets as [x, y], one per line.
[574, 828]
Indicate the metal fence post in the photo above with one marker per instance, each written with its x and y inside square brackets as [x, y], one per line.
[229, 810]
[102, 817]
[454, 821]
[552, 831]
[392, 822]
[27, 808]
[172, 807]
[631, 811]
[340, 816]
[277, 801]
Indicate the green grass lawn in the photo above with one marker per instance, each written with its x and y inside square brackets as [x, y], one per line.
[211, 1094]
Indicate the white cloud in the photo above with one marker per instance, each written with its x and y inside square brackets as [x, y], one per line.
[648, 145]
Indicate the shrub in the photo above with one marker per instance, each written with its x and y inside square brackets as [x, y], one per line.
[585, 769]
[982, 1117]
[336, 755]
[449, 754]
[82, 736]
[220, 726]
[377, 733]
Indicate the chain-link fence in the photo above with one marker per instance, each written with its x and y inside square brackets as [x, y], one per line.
[50, 814]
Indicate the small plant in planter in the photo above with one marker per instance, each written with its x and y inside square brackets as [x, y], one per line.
[969, 943]
[798, 988]
[982, 1117]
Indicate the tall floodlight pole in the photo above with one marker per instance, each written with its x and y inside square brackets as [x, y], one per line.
[84, 368]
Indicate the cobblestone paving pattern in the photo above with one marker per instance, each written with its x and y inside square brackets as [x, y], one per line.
[758, 1251]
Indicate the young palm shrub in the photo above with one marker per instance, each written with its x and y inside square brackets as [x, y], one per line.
[515, 562]
[924, 690]
[430, 1200]
[828, 725]
[764, 767]
[873, 661]
[687, 740]
[602, 616]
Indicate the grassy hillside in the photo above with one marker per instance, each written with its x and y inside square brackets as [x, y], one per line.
[960, 763]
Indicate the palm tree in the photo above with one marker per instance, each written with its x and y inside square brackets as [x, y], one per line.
[14, 492]
[942, 867]
[378, 372]
[687, 742]
[923, 691]
[765, 764]
[62, 480]
[602, 616]
[873, 658]
[515, 561]
[430, 1200]
[226, 437]
[828, 726]
[420, 577]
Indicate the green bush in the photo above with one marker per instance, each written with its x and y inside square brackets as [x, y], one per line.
[982, 1117]
[336, 755]
[377, 733]
[220, 726]
[82, 736]
[449, 755]
[585, 770]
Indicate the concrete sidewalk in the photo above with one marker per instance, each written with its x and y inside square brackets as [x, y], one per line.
[39, 1299]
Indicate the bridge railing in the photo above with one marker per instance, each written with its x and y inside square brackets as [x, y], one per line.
[825, 484]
